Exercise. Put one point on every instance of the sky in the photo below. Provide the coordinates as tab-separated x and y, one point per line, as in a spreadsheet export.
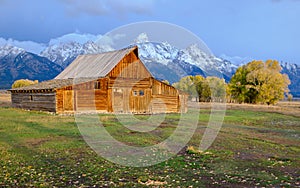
260	29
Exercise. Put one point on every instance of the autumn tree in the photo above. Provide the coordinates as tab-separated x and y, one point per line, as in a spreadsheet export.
23	82
237	86
187	85
217	88
203	89
259	82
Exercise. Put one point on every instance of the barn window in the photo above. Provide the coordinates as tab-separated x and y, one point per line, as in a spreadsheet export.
30	97
97	85
135	93
141	92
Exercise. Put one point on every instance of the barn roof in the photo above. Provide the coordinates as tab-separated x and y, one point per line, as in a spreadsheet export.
53	84
94	65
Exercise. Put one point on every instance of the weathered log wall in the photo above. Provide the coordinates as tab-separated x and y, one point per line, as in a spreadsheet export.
165	98
34	101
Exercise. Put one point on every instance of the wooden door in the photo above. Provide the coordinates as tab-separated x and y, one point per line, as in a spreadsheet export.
140	101
118	100
68	103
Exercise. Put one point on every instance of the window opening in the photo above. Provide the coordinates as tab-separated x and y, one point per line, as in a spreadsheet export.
97	85
141	92
135	93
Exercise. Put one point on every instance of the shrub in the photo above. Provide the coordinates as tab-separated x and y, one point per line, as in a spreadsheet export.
23	83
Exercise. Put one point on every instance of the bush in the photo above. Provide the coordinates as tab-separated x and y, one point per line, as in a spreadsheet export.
23	83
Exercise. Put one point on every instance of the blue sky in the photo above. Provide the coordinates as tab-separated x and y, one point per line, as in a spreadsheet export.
261	29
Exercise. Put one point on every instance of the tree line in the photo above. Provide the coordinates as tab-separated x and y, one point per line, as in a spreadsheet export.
257	82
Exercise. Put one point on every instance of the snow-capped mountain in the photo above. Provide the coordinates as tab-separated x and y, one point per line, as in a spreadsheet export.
16	63
64	53
209	63
157	52
61	50
8	50
162	59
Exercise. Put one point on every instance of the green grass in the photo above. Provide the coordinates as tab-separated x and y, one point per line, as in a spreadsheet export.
252	149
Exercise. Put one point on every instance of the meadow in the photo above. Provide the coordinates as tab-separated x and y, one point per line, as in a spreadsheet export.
253	148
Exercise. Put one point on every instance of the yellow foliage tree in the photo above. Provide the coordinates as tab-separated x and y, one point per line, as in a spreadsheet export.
259	82
203	89
23	83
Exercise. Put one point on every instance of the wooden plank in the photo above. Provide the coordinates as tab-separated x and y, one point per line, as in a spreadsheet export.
109	100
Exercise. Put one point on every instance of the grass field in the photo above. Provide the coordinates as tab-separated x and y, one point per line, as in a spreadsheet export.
256	146
252	149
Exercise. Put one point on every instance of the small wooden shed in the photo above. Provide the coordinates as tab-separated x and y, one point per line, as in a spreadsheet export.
110	82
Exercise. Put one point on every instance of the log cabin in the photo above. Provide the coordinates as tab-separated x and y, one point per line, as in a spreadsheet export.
110	82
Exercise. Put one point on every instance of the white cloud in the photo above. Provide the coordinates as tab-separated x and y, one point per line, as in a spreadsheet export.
109	40
143	37
75	37
29	46
36	48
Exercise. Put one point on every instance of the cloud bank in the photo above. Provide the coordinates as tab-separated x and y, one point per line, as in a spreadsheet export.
71	37
29	46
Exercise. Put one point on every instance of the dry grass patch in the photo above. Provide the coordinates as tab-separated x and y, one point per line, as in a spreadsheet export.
5	100
283	107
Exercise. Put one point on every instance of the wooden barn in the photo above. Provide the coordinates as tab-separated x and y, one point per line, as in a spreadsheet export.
110	82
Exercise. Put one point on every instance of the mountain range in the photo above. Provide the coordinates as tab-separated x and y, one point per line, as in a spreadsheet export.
166	62
16	63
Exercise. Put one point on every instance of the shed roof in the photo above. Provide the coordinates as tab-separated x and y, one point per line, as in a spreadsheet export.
53	84
94	65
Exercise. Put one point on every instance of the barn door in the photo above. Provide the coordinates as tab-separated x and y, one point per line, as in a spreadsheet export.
68	100
140	101
118	100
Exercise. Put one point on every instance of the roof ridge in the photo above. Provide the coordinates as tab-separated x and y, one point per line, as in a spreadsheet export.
122	49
